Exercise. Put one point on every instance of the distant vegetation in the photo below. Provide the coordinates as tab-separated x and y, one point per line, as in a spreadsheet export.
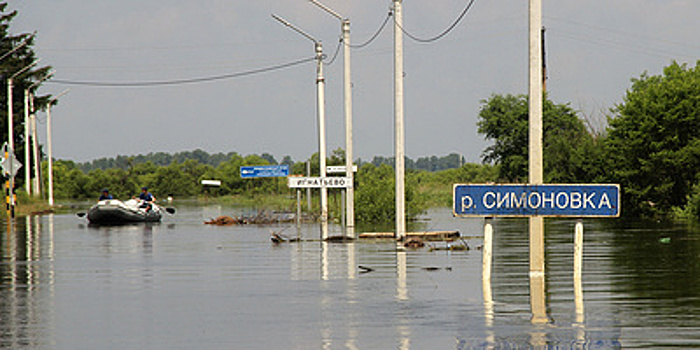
180	175
433	163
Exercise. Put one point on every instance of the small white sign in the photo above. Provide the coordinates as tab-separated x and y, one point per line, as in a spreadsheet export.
211	182
339	169
318	182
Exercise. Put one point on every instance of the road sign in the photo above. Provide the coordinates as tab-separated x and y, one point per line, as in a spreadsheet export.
564	200
339	169
318	182
211	182
8	168
248	172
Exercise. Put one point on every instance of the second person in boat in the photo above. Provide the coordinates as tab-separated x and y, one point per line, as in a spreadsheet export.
147	199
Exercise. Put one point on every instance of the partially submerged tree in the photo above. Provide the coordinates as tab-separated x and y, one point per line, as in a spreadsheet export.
653	143
566	145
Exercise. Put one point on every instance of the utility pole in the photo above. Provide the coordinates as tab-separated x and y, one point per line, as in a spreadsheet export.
50	143
399	157
11	134
544	61
347	90
537	266
321	111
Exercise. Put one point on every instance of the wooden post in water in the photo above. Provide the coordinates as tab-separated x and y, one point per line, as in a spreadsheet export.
486	252
578	267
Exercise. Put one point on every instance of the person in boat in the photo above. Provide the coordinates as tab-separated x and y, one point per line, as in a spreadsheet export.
105	195
147	199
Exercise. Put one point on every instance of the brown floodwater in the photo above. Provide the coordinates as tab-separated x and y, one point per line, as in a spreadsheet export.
181	284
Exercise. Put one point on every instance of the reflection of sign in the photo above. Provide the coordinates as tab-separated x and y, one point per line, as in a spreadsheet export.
248	172
339	169
318	182
536	200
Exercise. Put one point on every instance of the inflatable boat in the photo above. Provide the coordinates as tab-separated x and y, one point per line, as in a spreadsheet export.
116	212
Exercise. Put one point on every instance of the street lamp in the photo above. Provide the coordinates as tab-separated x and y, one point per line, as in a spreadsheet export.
10	131
321	111
347	90
48	141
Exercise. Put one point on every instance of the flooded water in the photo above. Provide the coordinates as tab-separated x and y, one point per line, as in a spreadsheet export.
181	284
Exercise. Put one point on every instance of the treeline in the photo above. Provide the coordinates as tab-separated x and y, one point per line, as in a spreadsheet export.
432	163
374	184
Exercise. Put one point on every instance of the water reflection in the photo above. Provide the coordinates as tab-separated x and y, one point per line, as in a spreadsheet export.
26	283
182	284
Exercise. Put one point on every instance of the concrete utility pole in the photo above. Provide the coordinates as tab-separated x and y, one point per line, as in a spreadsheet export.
35	143
10	131
535	142
537	271
347	90
321	111
399	157
50	144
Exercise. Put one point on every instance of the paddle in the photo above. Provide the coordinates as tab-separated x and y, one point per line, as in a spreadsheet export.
80	215
170	210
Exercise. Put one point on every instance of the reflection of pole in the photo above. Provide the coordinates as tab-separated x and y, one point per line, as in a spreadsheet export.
399	122
401	290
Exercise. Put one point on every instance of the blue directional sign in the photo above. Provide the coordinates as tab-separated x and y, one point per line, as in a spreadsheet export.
249	172
536	200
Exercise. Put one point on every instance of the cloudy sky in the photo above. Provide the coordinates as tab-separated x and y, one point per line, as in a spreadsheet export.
593	49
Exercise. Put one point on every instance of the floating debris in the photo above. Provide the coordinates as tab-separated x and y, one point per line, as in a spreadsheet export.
339	239
414	243
365	269
224	221
426	236
433	268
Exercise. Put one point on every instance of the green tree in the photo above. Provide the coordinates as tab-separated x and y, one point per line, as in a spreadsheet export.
375	200
653	143
18	53
566	142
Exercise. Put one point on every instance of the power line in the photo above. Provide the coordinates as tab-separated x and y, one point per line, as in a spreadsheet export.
446	31
376	34
182	81
335	55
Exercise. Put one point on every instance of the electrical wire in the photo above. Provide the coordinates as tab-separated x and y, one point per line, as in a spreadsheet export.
182	81
445	32
376	34
335	55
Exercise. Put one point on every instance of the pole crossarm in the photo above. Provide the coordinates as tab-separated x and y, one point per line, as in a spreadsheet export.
294	28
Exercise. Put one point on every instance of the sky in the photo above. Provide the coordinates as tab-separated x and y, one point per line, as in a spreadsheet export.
593	50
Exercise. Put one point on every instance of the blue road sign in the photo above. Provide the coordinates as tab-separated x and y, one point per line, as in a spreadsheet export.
591	200
249	172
